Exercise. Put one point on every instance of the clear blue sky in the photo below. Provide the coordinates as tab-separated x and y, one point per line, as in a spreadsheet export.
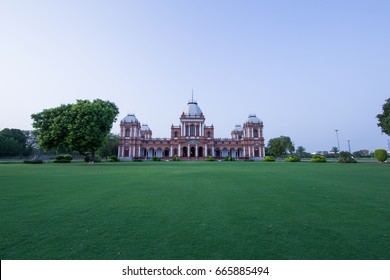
305	68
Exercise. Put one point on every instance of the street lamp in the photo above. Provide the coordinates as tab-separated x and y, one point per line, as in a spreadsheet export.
338	142
349	146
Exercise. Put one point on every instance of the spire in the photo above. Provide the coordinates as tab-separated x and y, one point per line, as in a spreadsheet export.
192	95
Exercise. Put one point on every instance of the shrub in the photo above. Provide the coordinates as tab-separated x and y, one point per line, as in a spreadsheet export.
137	159
345	157
269	158
97	158
113	159
229	158
33	161
210	158
176	158
156	159
65	158
318	158
293	159
380	155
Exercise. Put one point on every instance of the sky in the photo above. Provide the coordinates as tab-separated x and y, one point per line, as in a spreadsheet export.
305	68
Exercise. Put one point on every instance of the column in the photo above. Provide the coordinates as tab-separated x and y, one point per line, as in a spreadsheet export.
179	151
205	150
188	151
171	153
196	150
139	151
134	151
244	152
253	151
249	151
212	151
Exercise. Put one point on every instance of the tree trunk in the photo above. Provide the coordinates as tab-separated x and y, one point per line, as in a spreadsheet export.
92	158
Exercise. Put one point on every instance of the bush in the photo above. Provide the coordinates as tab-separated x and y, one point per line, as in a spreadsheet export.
380	155
293	159
318	158
65	158
229	158
345	157
97	158
210	158
33	161
269	158
137	159
156	159
113	159
176	158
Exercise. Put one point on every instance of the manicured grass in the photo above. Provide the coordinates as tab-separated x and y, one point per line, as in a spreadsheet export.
195	210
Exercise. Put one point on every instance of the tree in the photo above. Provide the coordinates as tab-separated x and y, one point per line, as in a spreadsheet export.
380	155
346	157
110	146
14	142
301	152
82	127
384	118
280	146
334	150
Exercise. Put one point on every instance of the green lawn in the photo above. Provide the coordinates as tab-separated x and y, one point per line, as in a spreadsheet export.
195	210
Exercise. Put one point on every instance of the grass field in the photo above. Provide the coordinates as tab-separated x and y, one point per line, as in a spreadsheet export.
195	210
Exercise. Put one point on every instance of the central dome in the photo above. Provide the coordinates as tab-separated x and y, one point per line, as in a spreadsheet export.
192	109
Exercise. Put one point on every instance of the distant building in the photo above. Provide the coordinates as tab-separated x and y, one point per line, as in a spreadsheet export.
192	139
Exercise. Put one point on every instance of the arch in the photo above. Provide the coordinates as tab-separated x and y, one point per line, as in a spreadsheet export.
150	153
166	152
192	152
175	134
127	152
208	134
233	152
175	152
225	152
257	154
255	133
240	152
200	151
209	152
185	152
127	132
217	152
159	152
143	152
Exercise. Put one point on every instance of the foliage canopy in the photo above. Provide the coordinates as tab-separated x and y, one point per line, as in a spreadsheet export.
384	118
82	127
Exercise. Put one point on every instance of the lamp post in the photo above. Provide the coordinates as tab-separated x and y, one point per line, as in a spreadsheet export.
349	146
338	142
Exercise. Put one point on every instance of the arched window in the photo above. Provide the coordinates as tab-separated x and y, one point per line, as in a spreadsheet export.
208	134
127	133
255	134
175	134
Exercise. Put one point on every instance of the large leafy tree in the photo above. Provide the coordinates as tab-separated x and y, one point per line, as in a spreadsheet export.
14	142
384	118
82	127
280	146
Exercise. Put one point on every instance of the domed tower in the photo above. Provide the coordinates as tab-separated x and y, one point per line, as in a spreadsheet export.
237	132
146	132
130	135
253	135
192	121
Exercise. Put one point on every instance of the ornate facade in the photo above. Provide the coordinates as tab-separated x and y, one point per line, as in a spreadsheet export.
191	140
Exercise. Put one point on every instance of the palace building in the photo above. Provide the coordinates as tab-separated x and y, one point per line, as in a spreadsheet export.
192	139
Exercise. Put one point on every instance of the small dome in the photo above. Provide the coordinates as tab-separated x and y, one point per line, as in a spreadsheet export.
145	127
192	109
130	118
253	119
238	128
